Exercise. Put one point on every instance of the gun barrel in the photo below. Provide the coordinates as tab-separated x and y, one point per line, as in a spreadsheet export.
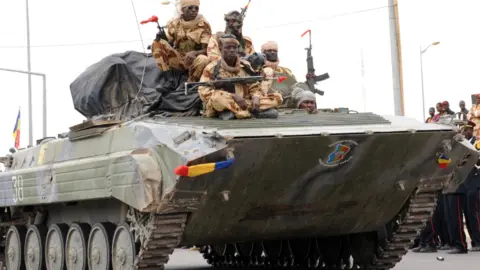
235	80
322	77
320	92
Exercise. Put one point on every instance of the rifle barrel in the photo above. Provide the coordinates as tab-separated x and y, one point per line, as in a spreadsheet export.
233	80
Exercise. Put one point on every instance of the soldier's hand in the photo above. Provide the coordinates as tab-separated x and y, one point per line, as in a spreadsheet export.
240	101
189	58
255	103
161	35
219	85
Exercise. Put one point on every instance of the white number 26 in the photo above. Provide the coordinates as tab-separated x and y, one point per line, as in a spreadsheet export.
17	182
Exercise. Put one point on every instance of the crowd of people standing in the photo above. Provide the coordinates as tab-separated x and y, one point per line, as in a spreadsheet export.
446	228
443	108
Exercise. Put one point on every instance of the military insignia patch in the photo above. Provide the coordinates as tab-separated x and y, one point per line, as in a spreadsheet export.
341	153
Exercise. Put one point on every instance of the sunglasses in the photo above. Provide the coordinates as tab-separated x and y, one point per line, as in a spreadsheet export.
192	7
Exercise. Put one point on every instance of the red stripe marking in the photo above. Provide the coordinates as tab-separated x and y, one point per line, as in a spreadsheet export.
476	210
433	230
460	225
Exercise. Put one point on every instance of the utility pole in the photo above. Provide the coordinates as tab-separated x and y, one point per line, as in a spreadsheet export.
396	52
364	90
29	69
421	74
44	78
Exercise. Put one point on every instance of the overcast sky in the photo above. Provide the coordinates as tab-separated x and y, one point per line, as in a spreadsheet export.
68	36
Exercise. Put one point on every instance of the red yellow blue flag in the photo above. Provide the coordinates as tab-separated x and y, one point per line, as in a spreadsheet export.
443	161
16	131
196	170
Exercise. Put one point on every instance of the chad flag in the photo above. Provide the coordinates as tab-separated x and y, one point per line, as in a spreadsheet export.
16	131
196	170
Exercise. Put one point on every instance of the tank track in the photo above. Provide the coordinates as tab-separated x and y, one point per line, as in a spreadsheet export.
159	237
387	252
419	209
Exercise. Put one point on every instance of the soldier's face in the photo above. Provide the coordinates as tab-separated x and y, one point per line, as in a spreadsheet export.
462	105
235	24
431	111
468	133
190	12
272	55
308	105
229	50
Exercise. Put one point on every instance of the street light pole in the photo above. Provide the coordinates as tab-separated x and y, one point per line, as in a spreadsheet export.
44	78
421	78
421	73
29	68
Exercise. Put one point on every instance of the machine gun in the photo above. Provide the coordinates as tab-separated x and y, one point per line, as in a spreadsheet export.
232	81
244	10
161	34
312	79
256	60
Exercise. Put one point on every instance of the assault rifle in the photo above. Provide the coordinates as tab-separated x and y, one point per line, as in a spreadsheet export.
232	81
161	34
312	79
244	10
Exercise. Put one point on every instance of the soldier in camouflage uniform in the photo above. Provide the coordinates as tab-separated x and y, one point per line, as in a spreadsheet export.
295	94
474	116
188	37
234	24
231	101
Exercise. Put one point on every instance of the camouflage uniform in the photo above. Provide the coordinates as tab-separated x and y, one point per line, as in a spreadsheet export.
213	49
272	71
186	37
234	22
474	116
217	100
293	92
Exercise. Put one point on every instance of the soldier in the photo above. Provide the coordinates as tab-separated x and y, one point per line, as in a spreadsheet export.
472	184
184	45
295	94
304	99
234	24
235	101
474	116
428	241
457	204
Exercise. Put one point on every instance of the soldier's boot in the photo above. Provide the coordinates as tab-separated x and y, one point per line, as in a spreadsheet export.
458	251
270	113
417	249
475	249
226	115
415	244
446	247
428	249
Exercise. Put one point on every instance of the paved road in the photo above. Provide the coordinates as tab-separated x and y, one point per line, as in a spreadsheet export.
184	259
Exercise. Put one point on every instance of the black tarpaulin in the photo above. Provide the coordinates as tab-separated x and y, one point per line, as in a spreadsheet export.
111	87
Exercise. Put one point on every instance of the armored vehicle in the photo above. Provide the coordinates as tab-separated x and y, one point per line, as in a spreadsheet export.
319	190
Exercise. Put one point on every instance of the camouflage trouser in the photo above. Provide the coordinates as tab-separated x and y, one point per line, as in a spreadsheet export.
167	57
221	100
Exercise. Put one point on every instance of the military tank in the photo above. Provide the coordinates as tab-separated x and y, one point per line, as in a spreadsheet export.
319	190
